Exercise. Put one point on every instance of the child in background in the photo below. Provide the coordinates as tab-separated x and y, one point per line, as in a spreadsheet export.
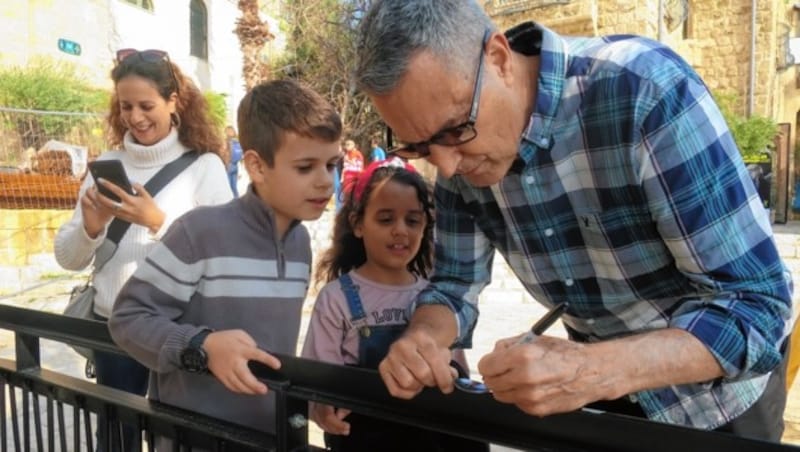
227	283
235	155
381	254
352	165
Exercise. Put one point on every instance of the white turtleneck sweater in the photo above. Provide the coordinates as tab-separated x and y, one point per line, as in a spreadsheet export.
204	182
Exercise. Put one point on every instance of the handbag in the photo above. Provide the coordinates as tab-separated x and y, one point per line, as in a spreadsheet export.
81	299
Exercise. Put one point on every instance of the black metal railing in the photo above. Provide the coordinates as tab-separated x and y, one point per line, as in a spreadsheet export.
472	416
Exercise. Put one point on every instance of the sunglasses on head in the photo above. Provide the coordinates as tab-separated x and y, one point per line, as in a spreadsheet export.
150	56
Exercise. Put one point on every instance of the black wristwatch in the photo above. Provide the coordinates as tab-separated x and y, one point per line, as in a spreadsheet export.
194	358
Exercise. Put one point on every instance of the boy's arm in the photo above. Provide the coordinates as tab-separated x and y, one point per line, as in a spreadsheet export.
142	321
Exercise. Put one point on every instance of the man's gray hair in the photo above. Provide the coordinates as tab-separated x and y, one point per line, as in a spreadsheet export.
394	31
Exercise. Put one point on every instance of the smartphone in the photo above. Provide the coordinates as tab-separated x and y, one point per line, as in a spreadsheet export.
114	172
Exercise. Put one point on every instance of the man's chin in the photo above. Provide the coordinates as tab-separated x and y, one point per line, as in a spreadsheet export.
483	179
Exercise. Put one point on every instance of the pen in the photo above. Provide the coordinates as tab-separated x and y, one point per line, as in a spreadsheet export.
544	323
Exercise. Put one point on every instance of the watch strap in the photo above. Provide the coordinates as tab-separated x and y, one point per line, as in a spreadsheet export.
196	342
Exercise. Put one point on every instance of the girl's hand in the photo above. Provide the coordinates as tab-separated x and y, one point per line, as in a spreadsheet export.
330	418
228	353
139	209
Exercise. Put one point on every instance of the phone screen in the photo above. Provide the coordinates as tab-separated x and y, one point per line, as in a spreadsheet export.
112	171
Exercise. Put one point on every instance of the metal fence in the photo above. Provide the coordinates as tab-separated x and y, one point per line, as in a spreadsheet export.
478	417
43	156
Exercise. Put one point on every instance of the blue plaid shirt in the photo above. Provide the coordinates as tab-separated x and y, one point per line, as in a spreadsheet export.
630	201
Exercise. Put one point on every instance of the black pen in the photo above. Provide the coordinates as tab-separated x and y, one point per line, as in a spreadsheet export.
544	323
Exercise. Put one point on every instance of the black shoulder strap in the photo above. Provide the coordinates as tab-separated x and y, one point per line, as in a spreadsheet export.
118	227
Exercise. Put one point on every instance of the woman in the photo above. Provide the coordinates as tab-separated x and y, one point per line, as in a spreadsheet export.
156	116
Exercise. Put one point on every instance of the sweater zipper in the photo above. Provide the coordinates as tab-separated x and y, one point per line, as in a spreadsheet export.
281	262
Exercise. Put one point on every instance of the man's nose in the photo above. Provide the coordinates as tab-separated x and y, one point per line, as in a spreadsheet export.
445	159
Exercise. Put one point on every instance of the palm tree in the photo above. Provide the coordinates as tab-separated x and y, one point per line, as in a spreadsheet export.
253	33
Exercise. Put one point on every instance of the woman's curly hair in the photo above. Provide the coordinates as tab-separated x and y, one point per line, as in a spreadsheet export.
196	131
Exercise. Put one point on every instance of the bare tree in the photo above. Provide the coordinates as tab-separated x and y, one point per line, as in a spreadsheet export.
321	52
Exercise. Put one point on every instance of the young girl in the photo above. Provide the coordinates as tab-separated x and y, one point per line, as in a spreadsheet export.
381	254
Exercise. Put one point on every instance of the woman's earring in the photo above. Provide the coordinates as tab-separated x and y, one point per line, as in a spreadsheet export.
175	119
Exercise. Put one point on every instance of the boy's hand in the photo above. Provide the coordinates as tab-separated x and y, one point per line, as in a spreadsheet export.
330	418
228	353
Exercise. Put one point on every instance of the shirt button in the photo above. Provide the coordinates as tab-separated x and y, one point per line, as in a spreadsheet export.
569	282
548	232
590	321
530	179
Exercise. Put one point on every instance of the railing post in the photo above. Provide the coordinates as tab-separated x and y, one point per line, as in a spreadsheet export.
28	352
292	422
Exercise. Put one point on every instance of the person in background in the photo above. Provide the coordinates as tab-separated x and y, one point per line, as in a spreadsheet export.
156	115
209	298
235	156
377	153
604	173
352	165
381	255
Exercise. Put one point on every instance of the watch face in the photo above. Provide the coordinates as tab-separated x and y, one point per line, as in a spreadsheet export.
194	360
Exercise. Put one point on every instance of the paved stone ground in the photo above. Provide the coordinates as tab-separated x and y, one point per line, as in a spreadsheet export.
505	310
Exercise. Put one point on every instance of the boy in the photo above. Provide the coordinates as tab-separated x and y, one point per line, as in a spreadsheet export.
227	283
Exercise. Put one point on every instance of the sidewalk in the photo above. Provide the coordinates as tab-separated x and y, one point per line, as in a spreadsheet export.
506	309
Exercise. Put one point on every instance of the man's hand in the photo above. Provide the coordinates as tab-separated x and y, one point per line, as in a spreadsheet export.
542	377
414	361
329	418
550	375
228	353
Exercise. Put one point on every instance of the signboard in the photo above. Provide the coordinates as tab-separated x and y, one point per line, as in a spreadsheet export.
70	47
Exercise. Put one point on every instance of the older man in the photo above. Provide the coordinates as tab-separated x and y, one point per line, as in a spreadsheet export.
604	173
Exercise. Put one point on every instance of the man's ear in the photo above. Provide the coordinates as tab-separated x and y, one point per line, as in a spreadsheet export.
498	55
255	165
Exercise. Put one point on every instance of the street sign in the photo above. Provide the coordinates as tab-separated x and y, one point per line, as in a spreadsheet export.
70	47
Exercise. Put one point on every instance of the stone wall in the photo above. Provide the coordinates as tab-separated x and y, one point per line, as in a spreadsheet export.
717	45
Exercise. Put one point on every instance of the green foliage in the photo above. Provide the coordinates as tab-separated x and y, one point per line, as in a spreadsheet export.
753	135
217	108
51	85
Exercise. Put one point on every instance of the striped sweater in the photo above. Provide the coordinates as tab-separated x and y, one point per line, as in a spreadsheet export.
220	267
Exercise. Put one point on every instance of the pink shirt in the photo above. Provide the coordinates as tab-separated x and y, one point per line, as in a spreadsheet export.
331	336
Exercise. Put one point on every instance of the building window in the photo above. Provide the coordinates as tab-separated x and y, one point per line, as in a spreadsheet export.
198	25
144	4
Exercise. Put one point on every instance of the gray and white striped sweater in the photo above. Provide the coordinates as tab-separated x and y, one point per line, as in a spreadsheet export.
220	267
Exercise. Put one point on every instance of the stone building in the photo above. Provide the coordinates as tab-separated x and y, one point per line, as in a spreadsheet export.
747	48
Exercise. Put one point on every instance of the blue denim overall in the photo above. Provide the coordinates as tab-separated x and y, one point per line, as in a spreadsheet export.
370	434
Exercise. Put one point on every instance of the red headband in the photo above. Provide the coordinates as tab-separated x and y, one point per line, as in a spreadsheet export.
366	175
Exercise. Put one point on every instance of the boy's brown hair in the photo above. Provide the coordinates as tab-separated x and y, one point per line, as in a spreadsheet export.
273	108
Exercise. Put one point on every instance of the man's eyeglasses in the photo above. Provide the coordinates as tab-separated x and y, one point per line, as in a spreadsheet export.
450	136
150	56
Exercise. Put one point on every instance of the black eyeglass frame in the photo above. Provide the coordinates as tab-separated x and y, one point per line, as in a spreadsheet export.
151	56
449	136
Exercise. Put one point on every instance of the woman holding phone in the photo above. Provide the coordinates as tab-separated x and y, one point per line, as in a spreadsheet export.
156	115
